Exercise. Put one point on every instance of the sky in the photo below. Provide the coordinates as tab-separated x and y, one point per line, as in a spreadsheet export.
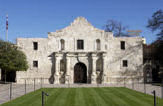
35	18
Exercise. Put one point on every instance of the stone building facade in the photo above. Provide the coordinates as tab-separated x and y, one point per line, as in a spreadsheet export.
81	53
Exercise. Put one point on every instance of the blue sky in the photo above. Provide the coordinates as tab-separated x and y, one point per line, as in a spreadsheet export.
34	18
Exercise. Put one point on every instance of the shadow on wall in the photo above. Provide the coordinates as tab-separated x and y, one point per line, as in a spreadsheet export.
62	78
99	68
62	70
137	70
53	60
89	68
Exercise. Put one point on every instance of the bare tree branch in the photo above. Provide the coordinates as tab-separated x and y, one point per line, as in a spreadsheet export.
116	27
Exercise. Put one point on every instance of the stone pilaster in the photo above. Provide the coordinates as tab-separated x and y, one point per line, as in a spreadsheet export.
93	76
58	59
67	77
104	76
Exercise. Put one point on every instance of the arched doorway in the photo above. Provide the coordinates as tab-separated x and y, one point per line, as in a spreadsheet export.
80	73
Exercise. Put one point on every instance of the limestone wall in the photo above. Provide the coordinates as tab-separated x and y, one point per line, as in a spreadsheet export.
133	53
81	29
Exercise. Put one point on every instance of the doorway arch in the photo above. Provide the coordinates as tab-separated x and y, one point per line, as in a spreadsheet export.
80	73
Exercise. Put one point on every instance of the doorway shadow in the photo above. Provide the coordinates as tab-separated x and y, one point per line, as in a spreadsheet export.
80	73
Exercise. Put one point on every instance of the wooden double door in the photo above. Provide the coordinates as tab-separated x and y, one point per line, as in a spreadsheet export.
80	73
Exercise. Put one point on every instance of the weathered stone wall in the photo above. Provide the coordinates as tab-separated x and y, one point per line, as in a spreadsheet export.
81	29
133	54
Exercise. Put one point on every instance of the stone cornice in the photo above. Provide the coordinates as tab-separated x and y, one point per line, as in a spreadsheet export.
80	54
76	52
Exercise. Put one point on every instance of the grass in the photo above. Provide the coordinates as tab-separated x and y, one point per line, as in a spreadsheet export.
112	96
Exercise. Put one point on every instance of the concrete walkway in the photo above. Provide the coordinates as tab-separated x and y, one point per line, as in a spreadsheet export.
19	89
148	89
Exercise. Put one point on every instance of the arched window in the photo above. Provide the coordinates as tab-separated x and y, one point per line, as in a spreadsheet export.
98	44
62	44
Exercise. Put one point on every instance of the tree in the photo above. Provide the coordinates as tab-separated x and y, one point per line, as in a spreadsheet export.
116	27
12	59
156	23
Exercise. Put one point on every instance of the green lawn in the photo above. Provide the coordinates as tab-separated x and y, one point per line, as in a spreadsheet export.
112	96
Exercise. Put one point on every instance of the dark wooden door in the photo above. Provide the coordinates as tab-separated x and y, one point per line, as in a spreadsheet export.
80	73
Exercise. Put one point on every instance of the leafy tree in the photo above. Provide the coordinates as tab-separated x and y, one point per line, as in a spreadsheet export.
156	23
12	59
116	27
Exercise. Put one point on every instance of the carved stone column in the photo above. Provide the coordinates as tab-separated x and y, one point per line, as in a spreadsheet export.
104	76
93	76
58	59
67	80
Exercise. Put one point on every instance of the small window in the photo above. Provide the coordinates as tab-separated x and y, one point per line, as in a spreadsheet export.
98	44
125	63
122	45
35	64
80	44
35	45
62	44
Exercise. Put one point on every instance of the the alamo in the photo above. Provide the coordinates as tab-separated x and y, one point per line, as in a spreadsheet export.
81	53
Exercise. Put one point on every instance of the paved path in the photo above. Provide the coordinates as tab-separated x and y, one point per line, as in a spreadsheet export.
19	89
148	89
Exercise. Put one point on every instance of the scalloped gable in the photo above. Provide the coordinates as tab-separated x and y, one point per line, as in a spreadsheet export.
79	26
80	21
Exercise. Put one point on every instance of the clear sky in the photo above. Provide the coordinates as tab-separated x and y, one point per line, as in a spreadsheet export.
34	18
